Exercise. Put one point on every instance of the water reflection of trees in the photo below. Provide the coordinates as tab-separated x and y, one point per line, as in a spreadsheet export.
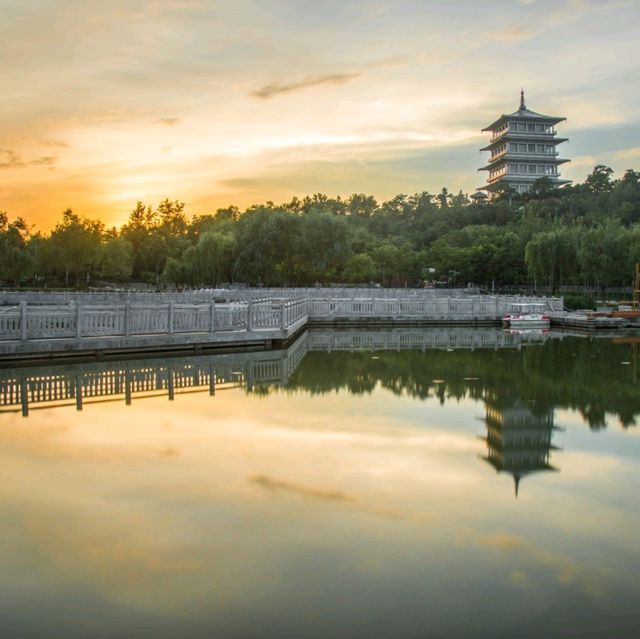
586	375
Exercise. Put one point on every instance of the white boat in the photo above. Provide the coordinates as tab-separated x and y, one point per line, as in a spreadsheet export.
525	316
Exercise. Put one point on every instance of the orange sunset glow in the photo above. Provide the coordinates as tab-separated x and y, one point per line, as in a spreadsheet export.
219	103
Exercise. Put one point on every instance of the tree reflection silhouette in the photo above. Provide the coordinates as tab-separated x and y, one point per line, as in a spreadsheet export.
580	374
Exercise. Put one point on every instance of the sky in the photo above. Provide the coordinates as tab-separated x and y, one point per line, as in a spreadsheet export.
220	103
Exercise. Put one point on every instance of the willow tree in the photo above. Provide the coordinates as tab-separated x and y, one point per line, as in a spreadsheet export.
552	256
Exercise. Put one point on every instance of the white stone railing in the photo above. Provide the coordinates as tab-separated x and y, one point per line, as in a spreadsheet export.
437	308
226	295
25	322
77	320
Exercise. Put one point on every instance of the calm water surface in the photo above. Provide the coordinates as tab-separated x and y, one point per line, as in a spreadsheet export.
357	485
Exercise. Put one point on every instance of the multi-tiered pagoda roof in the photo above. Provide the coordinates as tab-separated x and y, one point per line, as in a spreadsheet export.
523	149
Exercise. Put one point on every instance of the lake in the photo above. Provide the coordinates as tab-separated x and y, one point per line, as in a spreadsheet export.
402	483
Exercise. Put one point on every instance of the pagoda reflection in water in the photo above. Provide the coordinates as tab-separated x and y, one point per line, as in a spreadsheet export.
519	438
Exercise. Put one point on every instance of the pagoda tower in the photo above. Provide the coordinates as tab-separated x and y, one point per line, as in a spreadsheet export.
518	439
523	149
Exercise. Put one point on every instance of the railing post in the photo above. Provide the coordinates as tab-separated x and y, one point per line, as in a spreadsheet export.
78	320
282	315
212	317
249	315
77	381
170	317
212	381
24	396
170	383
127	386
23	321
127	318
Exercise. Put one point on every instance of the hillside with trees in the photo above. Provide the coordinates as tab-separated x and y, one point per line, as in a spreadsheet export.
585	235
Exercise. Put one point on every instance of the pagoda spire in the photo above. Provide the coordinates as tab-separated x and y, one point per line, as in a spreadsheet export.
523	106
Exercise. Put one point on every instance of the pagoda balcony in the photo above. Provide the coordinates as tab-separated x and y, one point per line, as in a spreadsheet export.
524	177
524	155
524	134
494	166
538	158
521	137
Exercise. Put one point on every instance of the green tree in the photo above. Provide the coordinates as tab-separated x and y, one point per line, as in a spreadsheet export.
115	259
360	269
16	263
599	180
75	243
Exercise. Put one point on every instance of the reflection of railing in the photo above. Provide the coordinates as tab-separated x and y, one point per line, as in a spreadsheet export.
22	388
416	339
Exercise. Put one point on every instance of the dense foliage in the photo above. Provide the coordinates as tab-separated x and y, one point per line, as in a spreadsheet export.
583	235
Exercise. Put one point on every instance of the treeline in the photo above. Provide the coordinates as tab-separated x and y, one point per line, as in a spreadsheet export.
587	234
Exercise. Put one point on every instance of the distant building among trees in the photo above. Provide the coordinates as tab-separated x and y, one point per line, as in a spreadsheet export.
524	155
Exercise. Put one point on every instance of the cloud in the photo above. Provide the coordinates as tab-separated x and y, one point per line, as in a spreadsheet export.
594	583
54	143
584	161
570	12
241	183
276	485
275	88
46	160
503	541
168	121
58	144
513	33
10	160
632	153
516	32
